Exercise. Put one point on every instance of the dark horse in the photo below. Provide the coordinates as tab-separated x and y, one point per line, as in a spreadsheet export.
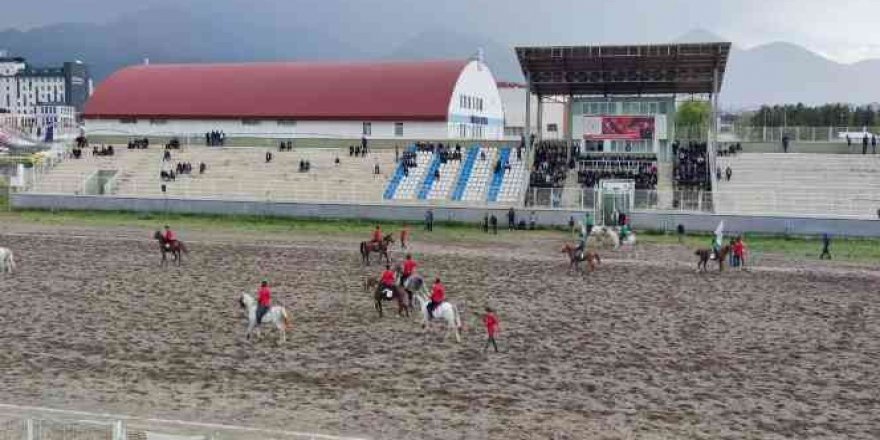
592	258
368	247
381	294
176	249
704	257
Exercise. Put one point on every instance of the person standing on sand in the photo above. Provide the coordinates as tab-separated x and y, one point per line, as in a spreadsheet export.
404	236
826	246
491	322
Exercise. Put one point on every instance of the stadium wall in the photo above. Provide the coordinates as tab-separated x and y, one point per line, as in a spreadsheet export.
650	220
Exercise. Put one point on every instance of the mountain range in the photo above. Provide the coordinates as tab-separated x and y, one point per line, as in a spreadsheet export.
767	74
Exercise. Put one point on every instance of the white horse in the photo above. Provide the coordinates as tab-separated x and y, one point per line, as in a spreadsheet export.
276	315
446	312
602	237
7	262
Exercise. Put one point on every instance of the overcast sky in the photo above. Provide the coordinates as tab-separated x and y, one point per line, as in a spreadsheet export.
842	30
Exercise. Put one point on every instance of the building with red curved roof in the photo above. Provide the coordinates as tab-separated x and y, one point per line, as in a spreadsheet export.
455	99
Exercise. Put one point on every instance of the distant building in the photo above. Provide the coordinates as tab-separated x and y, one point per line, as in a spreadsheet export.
24	89
420	100
513	97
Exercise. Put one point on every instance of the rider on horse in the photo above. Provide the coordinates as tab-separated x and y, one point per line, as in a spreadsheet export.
409	268
582	244
170	237
377	236
438	295
264	300
387	279
624	232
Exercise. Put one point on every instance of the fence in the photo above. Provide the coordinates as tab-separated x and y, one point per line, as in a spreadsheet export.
33	423
586	199
746	133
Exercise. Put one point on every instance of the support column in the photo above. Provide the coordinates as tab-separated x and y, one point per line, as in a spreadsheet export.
527	130
539	117
713	136
567	124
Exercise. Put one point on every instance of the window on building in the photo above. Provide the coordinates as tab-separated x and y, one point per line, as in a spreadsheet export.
367	129
158	121
128	121
287	122
462	131
552	128
250	122
398	128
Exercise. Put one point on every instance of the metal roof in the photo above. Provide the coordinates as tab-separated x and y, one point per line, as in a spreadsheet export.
624	70
398	91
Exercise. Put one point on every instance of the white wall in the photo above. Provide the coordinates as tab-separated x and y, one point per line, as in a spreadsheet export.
514	101
267	128
476	81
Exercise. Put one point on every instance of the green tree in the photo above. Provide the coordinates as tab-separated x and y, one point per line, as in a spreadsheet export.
693	114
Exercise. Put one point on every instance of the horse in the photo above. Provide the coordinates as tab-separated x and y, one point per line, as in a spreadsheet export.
177	249
446	312
592	258
7	261
397	293
602	237
704	257
276	315
368	247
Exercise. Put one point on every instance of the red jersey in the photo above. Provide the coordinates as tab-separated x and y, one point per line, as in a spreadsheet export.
377	235
739	249
388	278
438	293
264	296
491	322
170	236
409	266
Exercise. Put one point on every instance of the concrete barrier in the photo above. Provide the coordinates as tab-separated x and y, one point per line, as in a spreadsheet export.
644	220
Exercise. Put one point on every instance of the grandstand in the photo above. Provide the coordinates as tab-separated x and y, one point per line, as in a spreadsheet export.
231	172
799	184
475	185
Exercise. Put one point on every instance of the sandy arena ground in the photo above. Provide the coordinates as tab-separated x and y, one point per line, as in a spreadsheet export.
643	348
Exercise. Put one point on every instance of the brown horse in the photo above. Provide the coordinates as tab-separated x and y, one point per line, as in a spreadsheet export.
592	258
381	248
399	294
177	249
705	254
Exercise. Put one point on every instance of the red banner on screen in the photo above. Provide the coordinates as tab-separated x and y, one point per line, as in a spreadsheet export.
624	127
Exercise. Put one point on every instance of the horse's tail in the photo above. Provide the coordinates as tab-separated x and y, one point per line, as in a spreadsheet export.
11	261
183	247
286	317
363	248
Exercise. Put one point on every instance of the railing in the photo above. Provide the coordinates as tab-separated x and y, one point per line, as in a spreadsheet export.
586	199
746	133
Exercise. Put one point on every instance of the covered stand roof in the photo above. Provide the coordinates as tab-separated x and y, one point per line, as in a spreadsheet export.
623	70
298	90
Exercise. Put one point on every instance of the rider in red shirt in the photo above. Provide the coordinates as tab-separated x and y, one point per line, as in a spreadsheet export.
377	235
438	295
387	279
739	250
491	322
264	300
170	237
409	268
